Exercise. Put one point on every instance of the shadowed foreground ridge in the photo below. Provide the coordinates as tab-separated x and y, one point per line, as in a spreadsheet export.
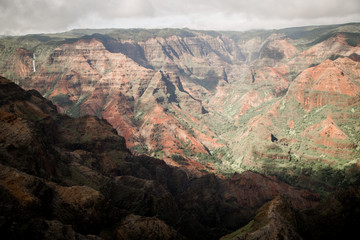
67	178
336	217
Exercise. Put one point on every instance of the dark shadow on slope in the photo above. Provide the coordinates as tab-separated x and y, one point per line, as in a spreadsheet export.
130	49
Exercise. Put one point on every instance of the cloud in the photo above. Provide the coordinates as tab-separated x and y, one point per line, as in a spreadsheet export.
34	16
28	16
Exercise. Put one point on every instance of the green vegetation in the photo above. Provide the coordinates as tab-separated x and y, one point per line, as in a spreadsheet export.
141	149
301	162
315	172
260	220
62	100
142	35
334	57
157	152
156	133
240	232
80	179
271	53
306	37
313	65
75	110
353	39
206	158
179	159
210	80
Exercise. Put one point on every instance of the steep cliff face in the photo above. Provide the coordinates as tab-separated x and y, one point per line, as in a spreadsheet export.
150	108
63	177
209	101
329	83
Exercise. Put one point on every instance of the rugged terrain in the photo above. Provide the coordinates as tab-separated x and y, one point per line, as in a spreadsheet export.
74	178
279	102
336	217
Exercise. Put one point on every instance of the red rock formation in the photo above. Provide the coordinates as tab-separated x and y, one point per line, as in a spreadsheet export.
325	84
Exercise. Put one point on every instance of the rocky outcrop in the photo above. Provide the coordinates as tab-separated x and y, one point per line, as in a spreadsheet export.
275	220
329	220
136	227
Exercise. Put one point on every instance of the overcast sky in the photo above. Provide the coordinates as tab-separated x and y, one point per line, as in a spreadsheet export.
42	16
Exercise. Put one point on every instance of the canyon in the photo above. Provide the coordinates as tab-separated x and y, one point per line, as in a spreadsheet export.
210	101
74	178
180	134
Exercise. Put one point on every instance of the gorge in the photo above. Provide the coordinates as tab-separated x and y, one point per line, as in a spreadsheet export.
237	118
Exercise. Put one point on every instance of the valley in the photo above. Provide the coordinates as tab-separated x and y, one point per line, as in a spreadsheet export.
180	134
210	101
